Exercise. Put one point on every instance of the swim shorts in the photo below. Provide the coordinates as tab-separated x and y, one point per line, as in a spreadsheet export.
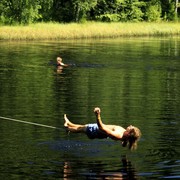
93	131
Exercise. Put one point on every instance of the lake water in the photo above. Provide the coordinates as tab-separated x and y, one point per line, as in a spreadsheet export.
133	81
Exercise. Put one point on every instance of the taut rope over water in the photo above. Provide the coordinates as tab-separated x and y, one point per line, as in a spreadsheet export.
32	123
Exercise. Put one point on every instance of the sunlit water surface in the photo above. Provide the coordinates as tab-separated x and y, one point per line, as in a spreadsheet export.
133	81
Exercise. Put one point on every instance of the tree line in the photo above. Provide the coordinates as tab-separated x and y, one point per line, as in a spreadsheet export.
32	11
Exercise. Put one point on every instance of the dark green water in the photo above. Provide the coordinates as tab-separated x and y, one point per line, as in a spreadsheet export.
133	81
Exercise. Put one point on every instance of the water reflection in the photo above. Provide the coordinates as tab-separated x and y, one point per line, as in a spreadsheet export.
99	170
59	69
135	81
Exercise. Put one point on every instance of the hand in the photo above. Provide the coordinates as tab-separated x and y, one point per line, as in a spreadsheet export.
97	110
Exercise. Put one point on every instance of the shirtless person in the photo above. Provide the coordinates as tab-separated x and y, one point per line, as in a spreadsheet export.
60	63
128	136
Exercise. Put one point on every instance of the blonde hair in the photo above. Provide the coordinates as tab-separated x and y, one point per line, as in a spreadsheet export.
134	135
59	58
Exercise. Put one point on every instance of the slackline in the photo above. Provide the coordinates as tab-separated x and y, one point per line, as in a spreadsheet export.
27	122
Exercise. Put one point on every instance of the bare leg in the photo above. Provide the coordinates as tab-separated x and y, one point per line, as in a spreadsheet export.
76	128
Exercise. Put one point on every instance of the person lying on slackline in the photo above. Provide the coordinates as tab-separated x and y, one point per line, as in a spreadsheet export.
128	136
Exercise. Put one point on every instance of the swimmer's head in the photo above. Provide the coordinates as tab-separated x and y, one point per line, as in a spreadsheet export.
59	59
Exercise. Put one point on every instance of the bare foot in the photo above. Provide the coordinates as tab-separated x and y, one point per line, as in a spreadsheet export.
66	121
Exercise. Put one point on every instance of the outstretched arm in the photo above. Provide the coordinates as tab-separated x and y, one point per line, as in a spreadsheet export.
97	112
110	130
64	65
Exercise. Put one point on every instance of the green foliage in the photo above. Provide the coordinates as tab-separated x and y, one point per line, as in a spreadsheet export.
30	14
153	13
168	10
119	10
22	12
72	10
30	11
109	17
45	10
171	14
133	11
81	8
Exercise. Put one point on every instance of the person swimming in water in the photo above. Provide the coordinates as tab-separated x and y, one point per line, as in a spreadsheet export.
128	136
60	63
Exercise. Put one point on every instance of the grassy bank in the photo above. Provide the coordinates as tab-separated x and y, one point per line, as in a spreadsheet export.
55	31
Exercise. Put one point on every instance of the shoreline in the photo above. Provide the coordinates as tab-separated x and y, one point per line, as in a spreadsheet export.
88	30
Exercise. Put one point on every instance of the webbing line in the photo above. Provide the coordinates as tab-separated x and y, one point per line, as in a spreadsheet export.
27	122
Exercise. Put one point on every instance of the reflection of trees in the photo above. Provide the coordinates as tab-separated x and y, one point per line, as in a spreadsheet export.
97	170
168	136
139	80
25	88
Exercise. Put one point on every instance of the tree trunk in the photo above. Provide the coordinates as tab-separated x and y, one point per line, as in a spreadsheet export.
176	7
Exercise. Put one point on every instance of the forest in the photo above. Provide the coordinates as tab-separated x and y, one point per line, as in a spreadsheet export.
64	11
